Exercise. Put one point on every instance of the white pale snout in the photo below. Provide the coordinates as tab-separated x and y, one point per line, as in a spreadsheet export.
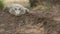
17	9
17	12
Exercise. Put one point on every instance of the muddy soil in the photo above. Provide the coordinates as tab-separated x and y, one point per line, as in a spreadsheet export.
35	22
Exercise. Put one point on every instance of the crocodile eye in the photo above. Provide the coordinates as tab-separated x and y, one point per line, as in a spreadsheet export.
15	8
19	8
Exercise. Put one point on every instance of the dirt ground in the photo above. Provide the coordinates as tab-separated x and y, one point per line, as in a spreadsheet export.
35	22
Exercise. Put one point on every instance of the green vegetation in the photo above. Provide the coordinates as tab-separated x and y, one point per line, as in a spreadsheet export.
49	6
1	4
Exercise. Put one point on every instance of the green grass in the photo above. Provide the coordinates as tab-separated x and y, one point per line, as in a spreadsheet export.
49	6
